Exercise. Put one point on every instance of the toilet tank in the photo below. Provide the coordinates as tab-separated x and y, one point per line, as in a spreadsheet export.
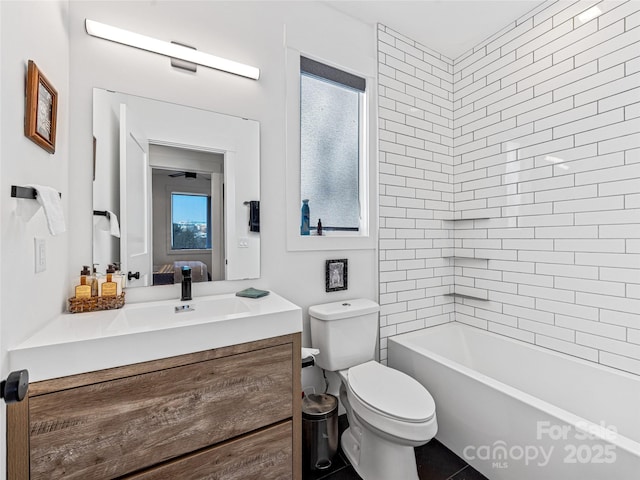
344	332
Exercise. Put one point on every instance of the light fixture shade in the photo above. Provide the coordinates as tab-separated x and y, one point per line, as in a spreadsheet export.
168	49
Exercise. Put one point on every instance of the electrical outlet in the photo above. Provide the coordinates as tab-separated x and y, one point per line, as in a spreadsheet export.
40	246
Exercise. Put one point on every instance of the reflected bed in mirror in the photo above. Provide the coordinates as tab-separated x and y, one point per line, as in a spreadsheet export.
177	182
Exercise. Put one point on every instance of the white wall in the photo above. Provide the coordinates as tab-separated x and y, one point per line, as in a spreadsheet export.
36	31
546	122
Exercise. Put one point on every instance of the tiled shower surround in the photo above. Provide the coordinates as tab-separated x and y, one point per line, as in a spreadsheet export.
416	185
512	174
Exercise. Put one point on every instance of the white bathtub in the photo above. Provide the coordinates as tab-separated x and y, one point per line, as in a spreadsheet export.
515	411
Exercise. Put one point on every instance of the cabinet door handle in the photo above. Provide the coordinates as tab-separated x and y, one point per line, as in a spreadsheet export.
133	275
15	387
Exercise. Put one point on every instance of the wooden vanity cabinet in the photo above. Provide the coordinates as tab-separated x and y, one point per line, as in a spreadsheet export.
229	413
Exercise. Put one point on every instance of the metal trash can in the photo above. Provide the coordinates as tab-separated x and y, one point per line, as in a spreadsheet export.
319	430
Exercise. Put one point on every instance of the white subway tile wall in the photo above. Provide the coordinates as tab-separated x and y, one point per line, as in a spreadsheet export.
525	200
416	186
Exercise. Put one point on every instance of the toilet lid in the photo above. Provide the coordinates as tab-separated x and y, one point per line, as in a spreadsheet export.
391	392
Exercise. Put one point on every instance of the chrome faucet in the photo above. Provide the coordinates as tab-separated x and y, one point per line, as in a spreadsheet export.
186	284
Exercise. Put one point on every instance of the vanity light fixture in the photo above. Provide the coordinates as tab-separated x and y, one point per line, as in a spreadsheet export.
173	50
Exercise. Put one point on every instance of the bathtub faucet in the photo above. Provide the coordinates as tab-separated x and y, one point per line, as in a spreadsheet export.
186	284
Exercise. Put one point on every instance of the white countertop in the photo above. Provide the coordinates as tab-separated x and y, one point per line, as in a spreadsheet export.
85	342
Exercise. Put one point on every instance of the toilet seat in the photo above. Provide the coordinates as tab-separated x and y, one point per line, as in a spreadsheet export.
391	393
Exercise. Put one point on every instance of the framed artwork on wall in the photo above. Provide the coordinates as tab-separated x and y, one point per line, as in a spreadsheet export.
41	109
336	275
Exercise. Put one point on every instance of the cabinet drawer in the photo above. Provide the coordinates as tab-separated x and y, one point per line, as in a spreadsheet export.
112	428
265	455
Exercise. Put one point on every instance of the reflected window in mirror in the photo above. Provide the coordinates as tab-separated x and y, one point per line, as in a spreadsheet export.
190	221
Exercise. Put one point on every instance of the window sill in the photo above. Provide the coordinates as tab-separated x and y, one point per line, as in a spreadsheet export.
186	251
331	241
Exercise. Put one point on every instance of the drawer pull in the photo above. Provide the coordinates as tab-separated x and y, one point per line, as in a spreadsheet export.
15	387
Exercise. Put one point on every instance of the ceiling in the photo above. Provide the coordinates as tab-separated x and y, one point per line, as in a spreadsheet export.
450	27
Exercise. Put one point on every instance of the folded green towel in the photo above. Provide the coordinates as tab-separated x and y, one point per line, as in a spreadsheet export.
252	293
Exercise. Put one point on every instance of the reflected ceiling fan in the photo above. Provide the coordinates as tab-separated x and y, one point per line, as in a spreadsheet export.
184	174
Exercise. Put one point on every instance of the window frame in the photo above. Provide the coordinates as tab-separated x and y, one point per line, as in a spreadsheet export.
168	214
347	81
366	237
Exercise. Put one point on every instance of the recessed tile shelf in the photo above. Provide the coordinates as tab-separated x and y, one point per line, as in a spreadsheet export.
466	258
461	295
461	219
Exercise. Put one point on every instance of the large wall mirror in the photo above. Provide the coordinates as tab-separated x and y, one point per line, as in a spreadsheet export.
174	186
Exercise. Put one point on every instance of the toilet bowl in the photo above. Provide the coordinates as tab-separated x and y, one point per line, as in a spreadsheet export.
389	412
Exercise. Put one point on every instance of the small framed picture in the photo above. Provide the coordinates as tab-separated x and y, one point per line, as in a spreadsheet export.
336	275
41	109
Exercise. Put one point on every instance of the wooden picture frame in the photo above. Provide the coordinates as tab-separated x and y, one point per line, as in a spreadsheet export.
336	275
41	109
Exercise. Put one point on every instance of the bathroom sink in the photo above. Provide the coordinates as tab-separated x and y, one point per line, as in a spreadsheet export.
168	314
140	332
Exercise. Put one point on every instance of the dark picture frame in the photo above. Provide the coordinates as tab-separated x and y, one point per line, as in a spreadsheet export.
41	109
336	275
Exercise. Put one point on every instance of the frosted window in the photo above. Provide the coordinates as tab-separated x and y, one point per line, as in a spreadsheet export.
330	152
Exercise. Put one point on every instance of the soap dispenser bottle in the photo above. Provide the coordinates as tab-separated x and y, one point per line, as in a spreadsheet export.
123	278
117	278
304	220
83	289
108	288
93	280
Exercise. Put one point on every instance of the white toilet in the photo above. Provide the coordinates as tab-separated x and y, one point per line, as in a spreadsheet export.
389	412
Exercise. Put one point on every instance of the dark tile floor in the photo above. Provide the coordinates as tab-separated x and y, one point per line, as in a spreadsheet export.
434	460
